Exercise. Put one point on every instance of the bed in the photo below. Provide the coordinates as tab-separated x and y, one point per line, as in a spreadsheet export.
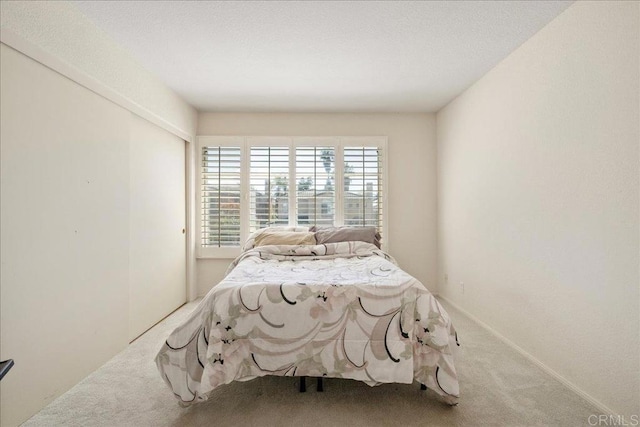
336	309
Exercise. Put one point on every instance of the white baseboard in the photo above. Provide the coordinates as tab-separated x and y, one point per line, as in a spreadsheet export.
599	405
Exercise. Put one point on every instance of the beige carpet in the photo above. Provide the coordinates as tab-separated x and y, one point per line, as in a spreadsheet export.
498	386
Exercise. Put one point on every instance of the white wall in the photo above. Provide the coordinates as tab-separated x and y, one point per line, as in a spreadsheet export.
61	30
66	210
66	196
65	232
412	176
538	190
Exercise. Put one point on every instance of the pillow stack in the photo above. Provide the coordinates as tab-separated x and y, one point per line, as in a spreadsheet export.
311	236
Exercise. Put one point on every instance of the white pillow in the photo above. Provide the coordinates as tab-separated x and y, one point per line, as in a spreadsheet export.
251	241
280	237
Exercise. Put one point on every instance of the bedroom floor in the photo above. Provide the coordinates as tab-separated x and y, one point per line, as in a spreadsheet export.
498	387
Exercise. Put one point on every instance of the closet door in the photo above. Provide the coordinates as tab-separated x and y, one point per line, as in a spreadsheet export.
157	252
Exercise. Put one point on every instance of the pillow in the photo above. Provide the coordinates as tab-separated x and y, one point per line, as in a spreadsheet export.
347	234
250	243
278	237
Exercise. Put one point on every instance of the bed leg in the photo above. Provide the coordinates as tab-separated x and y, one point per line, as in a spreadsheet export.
303	384
319	386
423	387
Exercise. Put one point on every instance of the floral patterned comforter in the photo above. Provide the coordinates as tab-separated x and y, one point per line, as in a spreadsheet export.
340	310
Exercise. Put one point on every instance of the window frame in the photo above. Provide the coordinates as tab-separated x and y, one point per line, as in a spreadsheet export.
246	142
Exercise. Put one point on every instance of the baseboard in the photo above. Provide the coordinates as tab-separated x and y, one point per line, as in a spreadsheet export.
599	405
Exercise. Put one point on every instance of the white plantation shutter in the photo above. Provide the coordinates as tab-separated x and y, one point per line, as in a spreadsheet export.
220	196
362	200
315	185
269	187
248	183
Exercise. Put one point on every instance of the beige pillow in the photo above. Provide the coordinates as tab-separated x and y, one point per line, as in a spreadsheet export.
251	241
276	237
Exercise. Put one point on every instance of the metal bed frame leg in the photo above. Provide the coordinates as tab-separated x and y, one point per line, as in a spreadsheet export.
303	384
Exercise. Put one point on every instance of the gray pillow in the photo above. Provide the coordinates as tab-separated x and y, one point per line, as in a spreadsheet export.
346	234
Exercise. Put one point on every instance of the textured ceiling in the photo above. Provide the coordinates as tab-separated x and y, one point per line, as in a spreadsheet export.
313	56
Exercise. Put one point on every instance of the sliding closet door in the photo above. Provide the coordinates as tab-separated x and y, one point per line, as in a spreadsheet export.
157	200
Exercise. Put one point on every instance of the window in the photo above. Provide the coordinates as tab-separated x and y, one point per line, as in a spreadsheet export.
220	197
362	186
251	183
269	175
315	178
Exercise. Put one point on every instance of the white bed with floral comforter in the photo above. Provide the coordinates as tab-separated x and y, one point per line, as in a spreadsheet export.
339	310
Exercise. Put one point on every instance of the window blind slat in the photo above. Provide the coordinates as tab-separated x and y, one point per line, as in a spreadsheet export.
363	187
269	187
220	175
312	178
315	185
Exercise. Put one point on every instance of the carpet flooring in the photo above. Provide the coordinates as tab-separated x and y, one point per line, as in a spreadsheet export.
498	387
